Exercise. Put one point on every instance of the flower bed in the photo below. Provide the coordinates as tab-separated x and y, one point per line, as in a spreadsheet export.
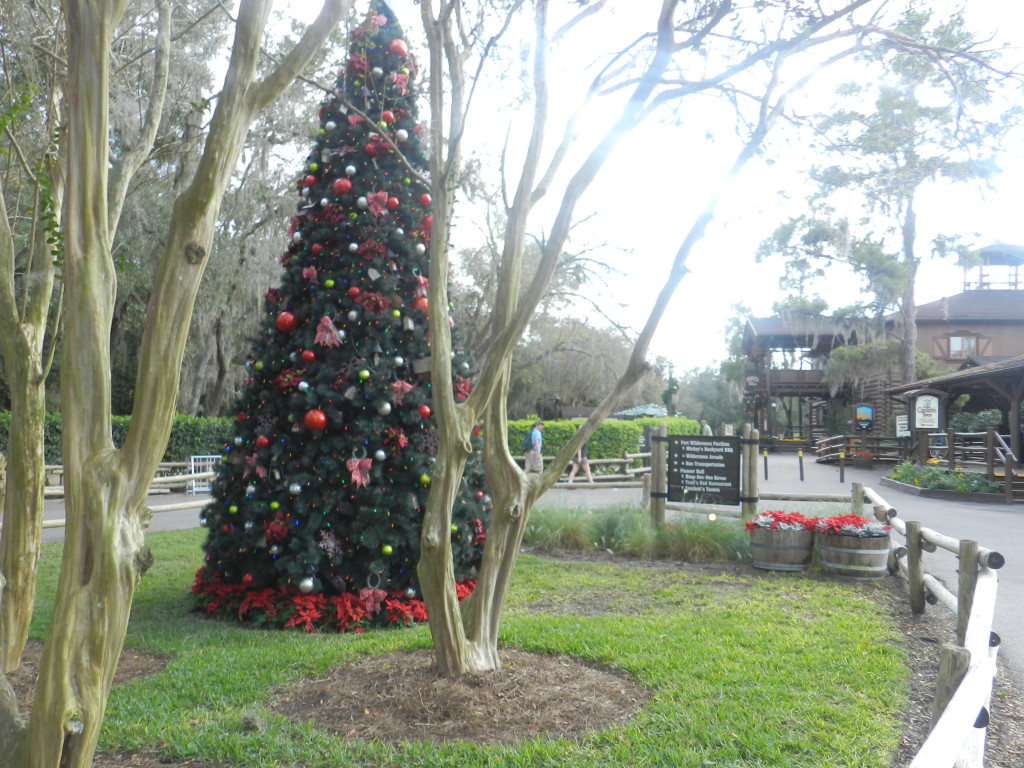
930	480
288	608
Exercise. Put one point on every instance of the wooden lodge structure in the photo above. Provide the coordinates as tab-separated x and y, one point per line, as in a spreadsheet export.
786	395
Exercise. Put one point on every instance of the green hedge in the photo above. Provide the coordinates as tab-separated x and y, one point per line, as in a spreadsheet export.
199	436
189	436
610	440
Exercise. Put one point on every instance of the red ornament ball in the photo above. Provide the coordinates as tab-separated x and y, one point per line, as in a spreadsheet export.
286	322
353	292
425	200
262	441
387	116
392	203
398	47
341	186
420	303
315	419
424	411
317	249
240	418
309	181
247	580
308	355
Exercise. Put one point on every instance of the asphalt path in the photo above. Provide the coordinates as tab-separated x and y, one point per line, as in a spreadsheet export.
995	526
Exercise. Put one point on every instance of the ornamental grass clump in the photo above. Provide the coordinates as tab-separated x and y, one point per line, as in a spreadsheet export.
851	525
778	520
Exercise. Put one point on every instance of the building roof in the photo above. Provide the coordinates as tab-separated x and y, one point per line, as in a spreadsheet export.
1010	369
819	334
991	305
1002	255
640	411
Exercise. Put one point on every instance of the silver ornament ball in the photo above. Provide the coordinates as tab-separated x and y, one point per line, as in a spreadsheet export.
384	409
379	455
295	488
306	585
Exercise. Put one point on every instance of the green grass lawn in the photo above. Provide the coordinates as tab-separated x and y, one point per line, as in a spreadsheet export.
745	669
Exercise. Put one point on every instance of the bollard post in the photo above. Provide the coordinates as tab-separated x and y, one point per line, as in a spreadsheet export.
800	461
765	454
842	467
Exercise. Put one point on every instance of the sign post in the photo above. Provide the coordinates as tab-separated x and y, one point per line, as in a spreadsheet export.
704	469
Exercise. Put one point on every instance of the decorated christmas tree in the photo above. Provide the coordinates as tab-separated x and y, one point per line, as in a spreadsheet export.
317	504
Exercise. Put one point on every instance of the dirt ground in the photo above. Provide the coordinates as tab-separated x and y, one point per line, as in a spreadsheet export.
536	696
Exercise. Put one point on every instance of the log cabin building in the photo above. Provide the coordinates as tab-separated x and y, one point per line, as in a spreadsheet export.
787	398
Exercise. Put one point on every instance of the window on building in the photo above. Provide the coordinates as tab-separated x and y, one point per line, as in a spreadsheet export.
962	346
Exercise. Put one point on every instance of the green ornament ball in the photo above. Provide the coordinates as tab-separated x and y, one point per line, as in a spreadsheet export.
424	479
233	509
258	365
275	505
396	313
386	549
455	528
314	166
328	283
364	375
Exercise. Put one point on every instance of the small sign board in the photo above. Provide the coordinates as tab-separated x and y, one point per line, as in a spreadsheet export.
704	469
902	425
926	412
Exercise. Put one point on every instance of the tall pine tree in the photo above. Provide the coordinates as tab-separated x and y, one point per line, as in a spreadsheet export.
321	494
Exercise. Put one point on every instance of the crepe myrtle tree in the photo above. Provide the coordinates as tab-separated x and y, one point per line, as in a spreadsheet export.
105	487
756	72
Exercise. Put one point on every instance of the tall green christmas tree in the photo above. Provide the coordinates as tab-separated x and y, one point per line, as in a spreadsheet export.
317	504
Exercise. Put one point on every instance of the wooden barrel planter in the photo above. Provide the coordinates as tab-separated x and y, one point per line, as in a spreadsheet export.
775	550
854	557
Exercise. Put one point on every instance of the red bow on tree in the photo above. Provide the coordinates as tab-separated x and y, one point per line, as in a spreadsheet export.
399	389
327	334
360	469
378	202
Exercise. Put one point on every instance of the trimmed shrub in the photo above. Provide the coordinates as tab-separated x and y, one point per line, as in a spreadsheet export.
610	440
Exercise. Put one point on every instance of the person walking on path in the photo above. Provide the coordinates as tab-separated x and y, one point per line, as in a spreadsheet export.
534	462
705	428
578	461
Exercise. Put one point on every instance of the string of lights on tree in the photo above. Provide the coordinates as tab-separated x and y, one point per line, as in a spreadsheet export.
323	488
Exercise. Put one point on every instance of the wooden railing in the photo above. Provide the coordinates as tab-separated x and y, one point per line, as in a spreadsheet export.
845	447
619	470
967	668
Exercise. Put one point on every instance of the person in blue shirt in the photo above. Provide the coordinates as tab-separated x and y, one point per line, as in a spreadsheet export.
534	462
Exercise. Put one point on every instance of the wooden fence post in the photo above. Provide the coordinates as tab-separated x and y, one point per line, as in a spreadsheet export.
950	449
659	475
748	472
857	498
953	663
965	592
915	567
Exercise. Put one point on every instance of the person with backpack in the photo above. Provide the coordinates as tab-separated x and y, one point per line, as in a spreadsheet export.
532	444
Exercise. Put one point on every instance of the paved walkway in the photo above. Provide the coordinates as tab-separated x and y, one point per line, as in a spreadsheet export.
995	526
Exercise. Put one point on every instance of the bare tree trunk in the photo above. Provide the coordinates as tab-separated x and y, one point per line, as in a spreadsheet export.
908	305
104	553
27	362
23	502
